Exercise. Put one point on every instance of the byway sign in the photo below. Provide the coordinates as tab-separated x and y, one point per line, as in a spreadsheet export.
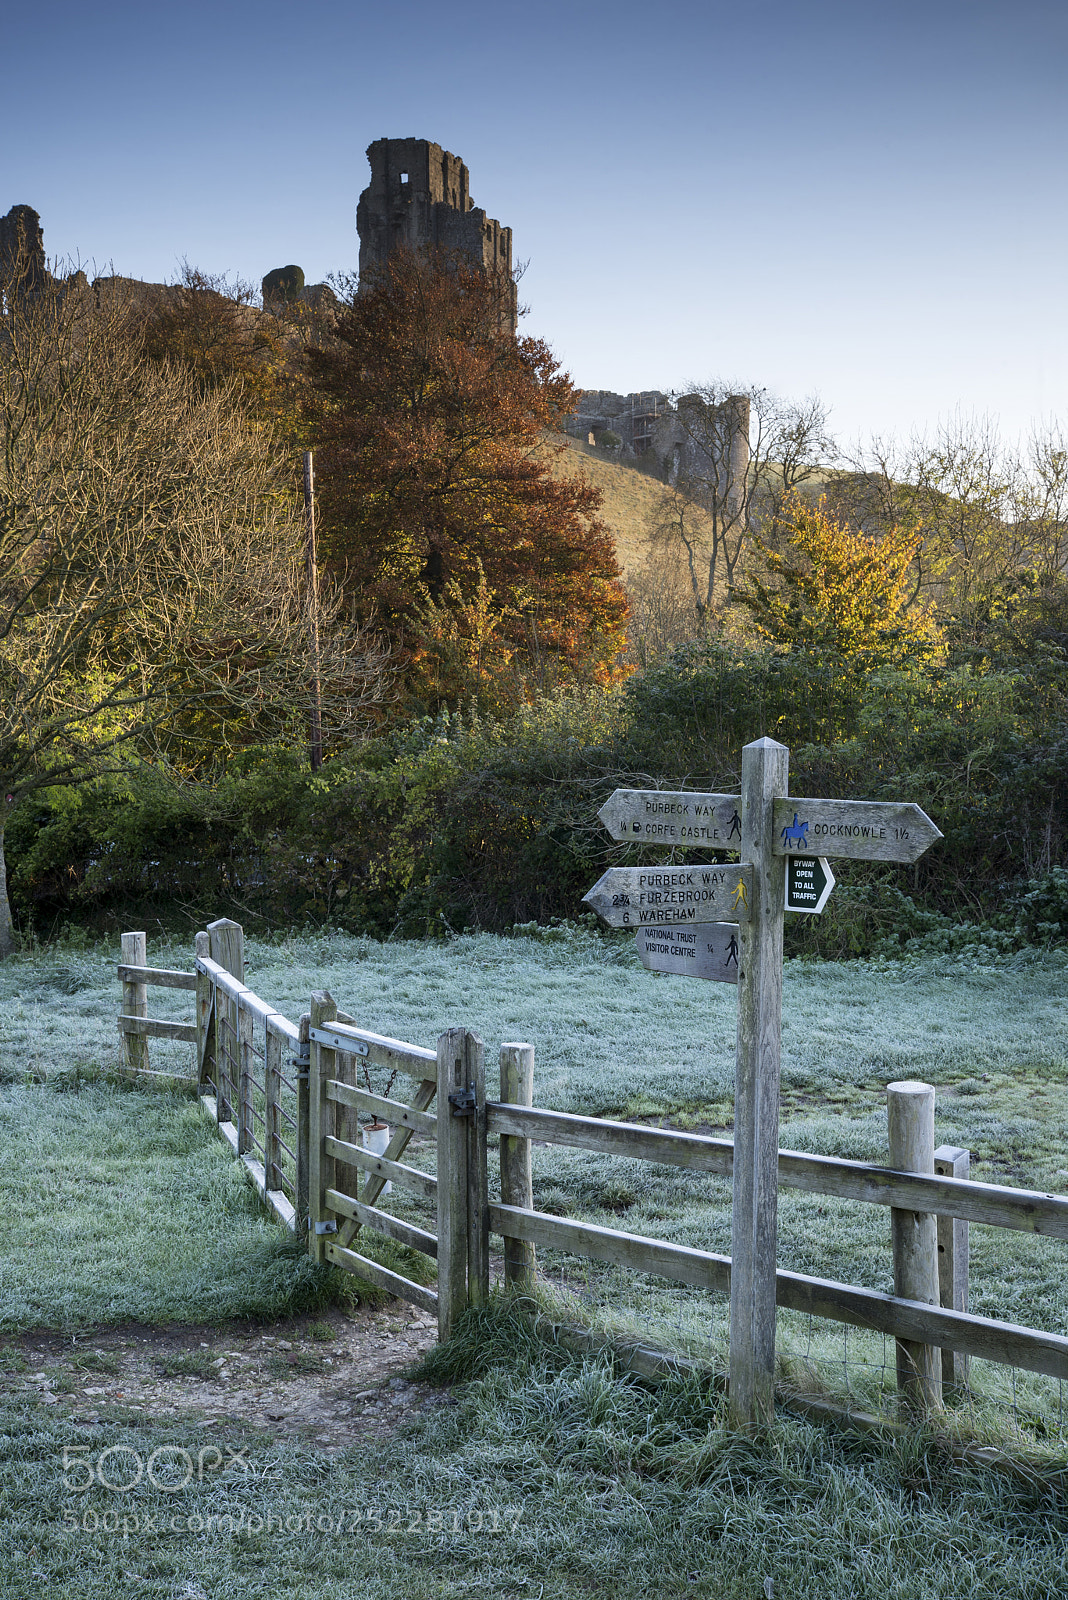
809	881
633	897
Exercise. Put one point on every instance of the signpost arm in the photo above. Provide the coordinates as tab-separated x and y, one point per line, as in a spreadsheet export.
765	775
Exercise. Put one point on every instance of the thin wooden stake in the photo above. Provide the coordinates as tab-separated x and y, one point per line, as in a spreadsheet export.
226	945
315	718
272	1087
245	1124
134	1003
914	1234
952	1162
517	1184
765	777
206	1072
303	1076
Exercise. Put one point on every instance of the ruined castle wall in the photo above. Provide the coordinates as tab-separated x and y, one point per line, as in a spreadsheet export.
711	446
419	197
631	416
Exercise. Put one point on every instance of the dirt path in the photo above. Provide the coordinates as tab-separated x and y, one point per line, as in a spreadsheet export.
329	1380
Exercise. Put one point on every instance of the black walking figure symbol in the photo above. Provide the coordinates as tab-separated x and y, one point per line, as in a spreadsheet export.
735	827
732	951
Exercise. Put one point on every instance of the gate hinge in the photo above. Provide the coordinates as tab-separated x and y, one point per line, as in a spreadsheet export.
301	1059
463	1103
326	1227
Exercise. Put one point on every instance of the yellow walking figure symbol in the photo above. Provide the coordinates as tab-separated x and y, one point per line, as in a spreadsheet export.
741	899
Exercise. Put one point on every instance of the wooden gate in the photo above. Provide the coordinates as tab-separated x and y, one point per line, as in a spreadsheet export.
339	1205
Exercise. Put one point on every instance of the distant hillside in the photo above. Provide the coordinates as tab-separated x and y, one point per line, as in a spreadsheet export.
632	498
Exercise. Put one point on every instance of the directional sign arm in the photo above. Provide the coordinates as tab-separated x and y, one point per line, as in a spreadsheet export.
674	817
863	830
710	950
670	896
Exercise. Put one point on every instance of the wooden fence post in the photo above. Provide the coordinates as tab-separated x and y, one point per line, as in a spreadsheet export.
910	1117
303	1081
226	946
452	1179
204	1020
952	1162
321	1123
517	1183
272	1094
134	948
245	1124
754	1215
477	1176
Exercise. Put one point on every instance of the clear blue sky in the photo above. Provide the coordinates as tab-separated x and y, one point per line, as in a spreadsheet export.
863	200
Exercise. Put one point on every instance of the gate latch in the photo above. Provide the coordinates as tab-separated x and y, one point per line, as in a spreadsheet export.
463	1103
326	1227
301	1059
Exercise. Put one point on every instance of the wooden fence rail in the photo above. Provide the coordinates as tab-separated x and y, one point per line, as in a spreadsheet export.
911	1320
287	1099
1029	1211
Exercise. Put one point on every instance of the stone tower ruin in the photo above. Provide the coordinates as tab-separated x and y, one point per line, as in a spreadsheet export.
419	197
22	255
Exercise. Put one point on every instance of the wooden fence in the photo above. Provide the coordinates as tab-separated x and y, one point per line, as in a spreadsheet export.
286	1098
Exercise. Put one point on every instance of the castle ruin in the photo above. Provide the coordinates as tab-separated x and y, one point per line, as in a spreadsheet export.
681	439
419	198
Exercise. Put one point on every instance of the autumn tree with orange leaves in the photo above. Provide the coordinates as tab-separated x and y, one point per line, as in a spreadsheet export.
848	598
438	505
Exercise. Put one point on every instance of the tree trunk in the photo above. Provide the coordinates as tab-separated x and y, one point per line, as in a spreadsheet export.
7	928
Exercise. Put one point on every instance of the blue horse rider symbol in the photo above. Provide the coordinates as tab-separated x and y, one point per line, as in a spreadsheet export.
797	834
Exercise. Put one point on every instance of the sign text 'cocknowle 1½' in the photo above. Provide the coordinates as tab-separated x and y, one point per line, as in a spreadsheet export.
864	830
635	897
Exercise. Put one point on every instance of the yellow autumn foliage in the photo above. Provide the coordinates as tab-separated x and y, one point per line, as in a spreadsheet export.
843	595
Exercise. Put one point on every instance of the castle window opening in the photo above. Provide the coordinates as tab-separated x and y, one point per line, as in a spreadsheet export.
404	177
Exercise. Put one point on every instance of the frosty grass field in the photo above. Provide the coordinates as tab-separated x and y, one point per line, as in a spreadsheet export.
156	1223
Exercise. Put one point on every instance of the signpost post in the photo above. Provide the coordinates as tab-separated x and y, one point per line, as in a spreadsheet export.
669	908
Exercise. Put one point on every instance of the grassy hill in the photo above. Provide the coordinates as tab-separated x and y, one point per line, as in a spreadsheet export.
632	498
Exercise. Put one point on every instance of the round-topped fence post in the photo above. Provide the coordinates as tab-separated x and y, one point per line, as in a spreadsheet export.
914	1235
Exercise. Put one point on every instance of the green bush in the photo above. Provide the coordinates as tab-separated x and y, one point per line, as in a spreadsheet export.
455	822
1042	917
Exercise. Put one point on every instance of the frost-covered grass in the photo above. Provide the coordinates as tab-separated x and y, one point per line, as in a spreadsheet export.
612	1039
551	1477
120	1203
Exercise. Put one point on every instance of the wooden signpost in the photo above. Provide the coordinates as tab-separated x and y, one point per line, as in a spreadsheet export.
772	833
